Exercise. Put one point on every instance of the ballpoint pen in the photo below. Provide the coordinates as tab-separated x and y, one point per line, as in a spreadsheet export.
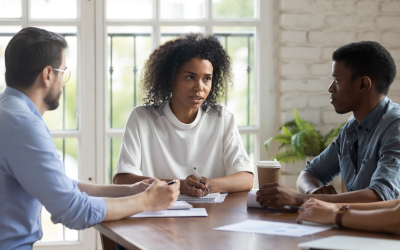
201	179
293	208
171	182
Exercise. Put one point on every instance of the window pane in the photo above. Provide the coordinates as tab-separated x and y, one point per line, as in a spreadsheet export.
114	145
6	33
67	148
128	48
65	116
248	142
54	9
182	9
10	9
172	32
239	43
129	9
233	8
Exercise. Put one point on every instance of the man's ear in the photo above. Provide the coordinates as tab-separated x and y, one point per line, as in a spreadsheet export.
366	84
46	75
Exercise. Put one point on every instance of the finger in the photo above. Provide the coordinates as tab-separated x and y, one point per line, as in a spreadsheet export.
193	177
196	184
267	191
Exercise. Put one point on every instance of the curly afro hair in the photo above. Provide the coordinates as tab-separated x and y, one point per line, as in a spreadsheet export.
368	58
163	64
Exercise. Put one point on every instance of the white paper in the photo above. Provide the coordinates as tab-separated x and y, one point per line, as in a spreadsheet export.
194	212
179	205
251	199
274	228
210	198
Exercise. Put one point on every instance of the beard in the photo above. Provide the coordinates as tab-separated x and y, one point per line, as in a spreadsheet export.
52	100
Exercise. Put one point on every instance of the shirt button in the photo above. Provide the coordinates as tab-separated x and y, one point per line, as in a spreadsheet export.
359	127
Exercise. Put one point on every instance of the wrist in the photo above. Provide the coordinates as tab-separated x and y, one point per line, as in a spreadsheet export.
143	201
339	215
301	199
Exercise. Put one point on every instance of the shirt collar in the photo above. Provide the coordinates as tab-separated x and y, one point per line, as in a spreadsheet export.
24	98
372	118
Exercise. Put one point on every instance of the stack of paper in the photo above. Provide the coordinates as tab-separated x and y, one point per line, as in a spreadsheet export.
210	198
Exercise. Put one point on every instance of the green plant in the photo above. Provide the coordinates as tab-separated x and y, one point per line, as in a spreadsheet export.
302	139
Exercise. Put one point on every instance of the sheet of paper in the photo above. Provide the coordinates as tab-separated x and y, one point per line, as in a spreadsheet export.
251	199
179	205
210	198
194	212
274	228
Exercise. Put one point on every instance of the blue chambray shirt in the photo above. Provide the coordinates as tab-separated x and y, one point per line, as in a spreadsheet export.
378	156
32	175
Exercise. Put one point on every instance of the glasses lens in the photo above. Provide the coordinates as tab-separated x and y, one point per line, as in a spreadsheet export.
66	75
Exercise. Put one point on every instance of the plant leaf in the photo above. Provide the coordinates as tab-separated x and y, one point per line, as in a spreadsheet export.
302	124
288	156
286	131
283	139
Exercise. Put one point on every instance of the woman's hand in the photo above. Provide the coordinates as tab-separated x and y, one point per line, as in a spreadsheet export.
160	196
318	211
193	187
141	186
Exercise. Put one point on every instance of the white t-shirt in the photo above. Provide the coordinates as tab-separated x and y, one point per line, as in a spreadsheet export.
165	148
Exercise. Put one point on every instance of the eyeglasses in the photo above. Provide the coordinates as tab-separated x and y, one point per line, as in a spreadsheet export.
66	74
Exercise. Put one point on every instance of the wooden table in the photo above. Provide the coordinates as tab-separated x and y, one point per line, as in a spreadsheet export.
198	233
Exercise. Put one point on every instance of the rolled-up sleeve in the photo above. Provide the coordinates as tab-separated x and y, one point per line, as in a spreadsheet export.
33	160
326	166
386	179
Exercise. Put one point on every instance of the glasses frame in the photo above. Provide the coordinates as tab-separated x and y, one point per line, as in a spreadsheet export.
65	77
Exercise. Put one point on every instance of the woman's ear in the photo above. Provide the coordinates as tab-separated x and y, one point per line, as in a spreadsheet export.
366	84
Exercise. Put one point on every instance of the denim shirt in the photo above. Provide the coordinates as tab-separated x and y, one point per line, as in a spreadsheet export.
32	176
375	164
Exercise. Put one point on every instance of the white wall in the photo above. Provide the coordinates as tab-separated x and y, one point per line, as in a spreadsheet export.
310	30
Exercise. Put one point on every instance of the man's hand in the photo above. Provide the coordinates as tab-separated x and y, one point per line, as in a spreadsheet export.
193	187
318	211
323	190
160	196
276	195
141	186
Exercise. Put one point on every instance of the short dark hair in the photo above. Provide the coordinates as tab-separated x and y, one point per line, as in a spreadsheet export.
29	52
368	58
163	64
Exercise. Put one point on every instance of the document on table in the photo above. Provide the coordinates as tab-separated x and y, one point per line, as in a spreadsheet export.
274	228
209	198
194	212
251	199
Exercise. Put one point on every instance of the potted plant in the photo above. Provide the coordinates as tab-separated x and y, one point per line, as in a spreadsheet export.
301	140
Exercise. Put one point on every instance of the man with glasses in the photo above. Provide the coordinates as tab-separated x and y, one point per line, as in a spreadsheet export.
31	172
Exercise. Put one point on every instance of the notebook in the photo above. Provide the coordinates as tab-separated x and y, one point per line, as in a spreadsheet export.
350	243
210	198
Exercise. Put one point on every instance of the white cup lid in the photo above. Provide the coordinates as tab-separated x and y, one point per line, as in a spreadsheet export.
269	164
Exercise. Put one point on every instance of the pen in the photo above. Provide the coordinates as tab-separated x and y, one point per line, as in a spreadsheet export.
171	182
293	208
201	179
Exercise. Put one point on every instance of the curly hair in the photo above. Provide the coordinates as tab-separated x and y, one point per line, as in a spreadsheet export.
165	61
368	58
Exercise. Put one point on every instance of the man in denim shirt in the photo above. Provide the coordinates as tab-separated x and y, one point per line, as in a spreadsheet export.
367	149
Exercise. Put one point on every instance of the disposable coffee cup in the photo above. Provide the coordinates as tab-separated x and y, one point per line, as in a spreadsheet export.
268	172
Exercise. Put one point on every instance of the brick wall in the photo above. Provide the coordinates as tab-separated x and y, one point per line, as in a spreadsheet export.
310	30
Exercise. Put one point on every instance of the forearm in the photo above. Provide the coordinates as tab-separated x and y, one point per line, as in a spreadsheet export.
371	205
237	182
361	196
306	182
106	190
381	220
118	208
128	179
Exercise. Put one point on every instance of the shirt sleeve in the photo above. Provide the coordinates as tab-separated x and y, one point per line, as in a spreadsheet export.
129	159
386	178
326	166
32	158
235	155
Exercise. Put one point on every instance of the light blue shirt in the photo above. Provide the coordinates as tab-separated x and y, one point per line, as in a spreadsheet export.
32	175
367	154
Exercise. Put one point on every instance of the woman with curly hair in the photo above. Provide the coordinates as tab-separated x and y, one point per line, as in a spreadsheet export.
181	125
